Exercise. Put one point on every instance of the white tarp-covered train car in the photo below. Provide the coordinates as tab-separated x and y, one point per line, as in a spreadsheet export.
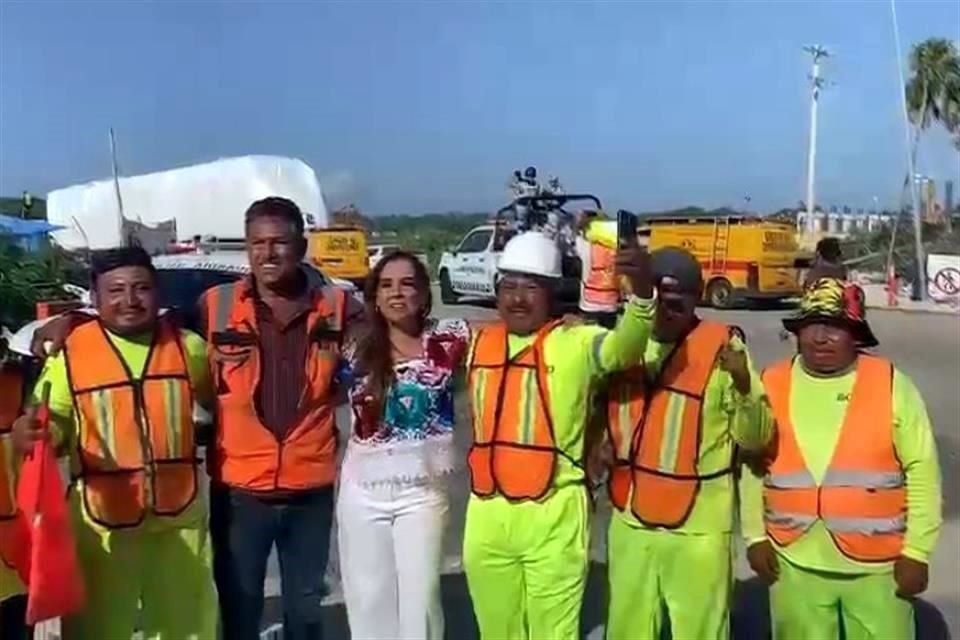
205	199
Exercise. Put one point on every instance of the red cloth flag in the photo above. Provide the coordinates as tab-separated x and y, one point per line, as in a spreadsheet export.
15	546
52	574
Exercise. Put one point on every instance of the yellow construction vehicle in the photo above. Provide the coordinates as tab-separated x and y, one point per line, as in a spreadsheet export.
743	257
340	252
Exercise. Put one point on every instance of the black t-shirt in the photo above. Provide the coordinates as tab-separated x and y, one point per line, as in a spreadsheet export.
825	270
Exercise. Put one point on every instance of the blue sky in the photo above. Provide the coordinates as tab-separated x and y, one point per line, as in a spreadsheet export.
414	107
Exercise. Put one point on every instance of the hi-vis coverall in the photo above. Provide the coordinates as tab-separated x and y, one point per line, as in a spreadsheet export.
158	572
687	569
597	249
818	585
526	561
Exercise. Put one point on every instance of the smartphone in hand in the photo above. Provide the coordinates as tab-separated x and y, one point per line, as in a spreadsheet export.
626	228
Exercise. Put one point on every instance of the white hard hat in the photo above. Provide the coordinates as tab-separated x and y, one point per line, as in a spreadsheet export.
531	253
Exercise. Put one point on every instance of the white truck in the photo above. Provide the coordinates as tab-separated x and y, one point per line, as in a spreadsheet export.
470	269
377	252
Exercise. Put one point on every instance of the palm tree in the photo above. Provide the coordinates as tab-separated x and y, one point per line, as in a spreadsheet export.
933	93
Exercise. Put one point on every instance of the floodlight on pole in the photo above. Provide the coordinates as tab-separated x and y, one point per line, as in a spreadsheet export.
816	52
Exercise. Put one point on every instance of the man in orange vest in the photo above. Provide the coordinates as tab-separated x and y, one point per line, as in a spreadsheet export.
13	601
274	347
850	505
273	343
596	245
122	396
531	383
675	424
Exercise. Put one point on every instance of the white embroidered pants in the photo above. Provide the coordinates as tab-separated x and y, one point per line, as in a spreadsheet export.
390	539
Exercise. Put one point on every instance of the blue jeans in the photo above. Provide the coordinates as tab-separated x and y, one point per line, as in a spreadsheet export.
244	528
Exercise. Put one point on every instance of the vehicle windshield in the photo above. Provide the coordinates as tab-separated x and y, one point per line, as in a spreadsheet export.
181	288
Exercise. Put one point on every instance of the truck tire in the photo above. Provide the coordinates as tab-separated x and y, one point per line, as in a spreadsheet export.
447	295
720	294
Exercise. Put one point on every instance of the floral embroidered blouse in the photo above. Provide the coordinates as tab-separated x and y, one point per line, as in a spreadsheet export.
411	439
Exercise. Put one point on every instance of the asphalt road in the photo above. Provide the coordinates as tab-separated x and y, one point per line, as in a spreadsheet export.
925	346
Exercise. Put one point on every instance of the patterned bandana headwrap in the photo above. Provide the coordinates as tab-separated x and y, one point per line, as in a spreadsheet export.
834	301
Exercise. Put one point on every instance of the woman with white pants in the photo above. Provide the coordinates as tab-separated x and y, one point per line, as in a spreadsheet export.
392	503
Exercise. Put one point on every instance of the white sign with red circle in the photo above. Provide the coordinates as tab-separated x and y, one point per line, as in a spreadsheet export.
943	272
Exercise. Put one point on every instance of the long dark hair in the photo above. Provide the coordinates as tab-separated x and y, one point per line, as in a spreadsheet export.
374	351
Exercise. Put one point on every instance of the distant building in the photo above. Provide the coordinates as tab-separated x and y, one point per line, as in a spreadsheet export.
930	209
842	224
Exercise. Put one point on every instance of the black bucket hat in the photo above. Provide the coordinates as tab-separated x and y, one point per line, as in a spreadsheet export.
834	301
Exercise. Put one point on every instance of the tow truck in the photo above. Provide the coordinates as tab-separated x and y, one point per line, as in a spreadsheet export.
470	269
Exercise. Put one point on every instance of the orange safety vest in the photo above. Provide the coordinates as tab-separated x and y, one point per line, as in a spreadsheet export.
247	454
654	427
135	443
600	284
11	399
514	452
862	497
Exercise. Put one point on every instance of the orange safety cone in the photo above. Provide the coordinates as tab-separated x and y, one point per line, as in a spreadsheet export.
52	573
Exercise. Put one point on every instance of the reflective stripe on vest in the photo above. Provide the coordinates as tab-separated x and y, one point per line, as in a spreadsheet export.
220	301
223	304
600	286
246	453
654	428
136	439
790	520
864	479
795	480
862	497
11	397
514	453
835	478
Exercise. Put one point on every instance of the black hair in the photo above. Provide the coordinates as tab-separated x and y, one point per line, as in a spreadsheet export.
276	207
829	249
679	264
374	351
107	260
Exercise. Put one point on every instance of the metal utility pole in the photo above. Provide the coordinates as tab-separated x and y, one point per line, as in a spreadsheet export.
116	184
816	82
920	284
